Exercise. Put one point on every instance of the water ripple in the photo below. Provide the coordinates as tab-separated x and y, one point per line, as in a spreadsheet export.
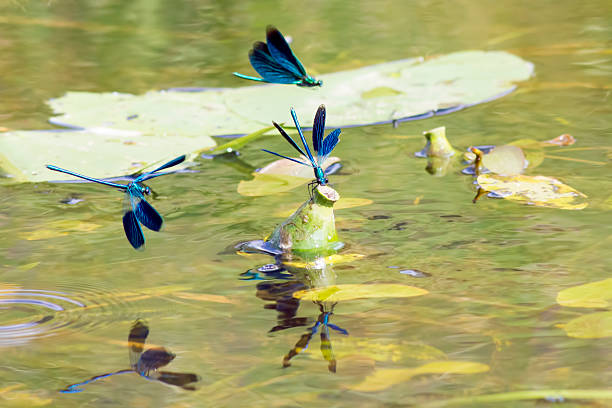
28	314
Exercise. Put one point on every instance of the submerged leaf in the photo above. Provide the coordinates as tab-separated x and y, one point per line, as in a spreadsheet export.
267	184
540	191
387	377
594	294
590	326
359	291
58	229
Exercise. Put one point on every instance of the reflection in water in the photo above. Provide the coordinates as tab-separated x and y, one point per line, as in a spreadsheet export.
279	282
144	363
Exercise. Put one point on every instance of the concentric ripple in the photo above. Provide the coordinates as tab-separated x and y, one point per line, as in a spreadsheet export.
27	314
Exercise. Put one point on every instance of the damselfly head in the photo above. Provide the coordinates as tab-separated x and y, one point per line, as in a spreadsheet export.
146	190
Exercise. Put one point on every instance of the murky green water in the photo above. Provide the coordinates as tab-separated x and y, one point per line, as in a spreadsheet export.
493	270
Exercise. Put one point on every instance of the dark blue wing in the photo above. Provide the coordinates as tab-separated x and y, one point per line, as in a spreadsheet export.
148	216
144	212
133	232
171	163
318	127
328	145
299	129
288	138
268	68
281	52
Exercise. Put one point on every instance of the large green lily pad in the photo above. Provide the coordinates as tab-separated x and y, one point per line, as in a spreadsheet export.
398	90
24	154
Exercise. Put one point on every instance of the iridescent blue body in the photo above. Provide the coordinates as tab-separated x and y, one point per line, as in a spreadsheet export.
136	208
276	62
323	147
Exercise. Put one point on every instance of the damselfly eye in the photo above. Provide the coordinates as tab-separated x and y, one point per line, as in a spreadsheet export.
147	190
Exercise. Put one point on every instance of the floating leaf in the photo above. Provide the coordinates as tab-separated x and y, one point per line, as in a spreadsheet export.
358	291
58	229
540	191
343	203
387	377
289	168
590	326
594	294
378	93
505	160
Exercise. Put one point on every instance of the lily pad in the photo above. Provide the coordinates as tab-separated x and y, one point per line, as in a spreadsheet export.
594	294
590	326
87	153
387	377
391	91
540	191
356	291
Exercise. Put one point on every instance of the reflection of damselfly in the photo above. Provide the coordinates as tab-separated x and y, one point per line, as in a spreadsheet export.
136	209
326	346
144	363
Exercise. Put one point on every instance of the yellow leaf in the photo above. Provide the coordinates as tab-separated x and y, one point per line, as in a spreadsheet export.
387	377
594	294
540	191
58	229
341	204
505	160
358	291
591	326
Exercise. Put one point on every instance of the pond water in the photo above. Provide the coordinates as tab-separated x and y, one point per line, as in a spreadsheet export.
72	287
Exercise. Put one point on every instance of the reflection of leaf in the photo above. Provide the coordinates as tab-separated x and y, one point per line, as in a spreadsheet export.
594	294
334	259
590	326
505	160
58	229
387	377
540	191
341	204
357	291
402	89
